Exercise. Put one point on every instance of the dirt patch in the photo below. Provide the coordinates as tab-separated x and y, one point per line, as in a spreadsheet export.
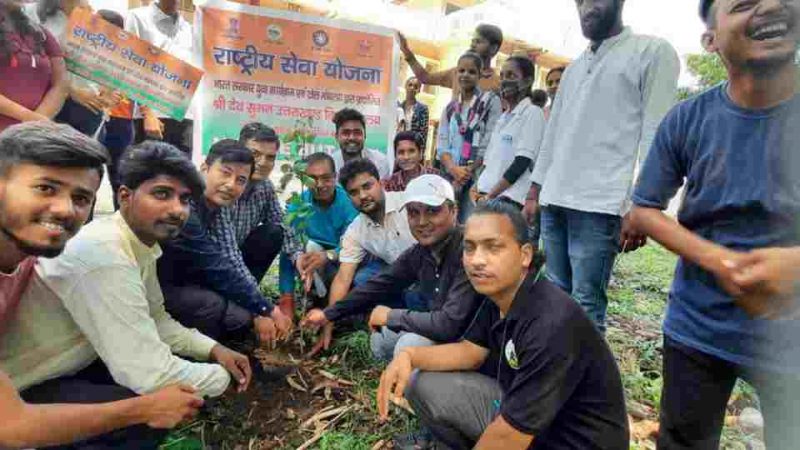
293	401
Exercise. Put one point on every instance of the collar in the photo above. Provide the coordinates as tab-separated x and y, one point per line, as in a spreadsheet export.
610	42
524	104
450	244
159	15
143	254
251	188
338	191
392	202
521	304
475	97
205	213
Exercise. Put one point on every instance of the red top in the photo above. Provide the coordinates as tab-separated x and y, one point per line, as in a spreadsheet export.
397	182
12	286
25	78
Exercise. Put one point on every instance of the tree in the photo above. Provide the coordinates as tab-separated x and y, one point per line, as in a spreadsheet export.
709	71
707	68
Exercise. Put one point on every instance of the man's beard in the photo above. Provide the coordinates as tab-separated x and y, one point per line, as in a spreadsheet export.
352	149
767	67
31	249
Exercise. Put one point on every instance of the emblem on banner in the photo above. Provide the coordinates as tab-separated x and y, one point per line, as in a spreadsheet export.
320	39
365	48
274	33
233	30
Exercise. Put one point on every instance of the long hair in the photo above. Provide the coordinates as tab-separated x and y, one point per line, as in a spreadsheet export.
14	20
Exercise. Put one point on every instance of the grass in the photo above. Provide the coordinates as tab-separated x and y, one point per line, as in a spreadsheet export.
637	300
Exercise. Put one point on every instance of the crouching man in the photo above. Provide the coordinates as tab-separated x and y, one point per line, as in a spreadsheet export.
434	264
546	375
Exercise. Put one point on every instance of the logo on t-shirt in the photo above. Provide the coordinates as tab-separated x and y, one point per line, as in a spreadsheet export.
511	355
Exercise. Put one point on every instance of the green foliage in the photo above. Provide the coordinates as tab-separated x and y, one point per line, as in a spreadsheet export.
358	349
347	441
298	139
709	71
189	437
707	68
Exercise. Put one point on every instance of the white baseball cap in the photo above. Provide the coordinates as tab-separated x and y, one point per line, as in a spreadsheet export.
429	189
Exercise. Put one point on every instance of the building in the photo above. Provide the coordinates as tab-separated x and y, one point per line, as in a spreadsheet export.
439	31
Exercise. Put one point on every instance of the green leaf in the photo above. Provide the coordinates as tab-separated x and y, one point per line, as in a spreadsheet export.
307	181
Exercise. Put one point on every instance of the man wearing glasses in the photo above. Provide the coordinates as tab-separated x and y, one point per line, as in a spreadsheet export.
331	214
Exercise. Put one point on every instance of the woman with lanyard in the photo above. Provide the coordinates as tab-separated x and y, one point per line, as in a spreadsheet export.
465	129
514	145
83	108
33	76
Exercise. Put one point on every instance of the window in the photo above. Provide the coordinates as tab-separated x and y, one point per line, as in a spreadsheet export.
451	8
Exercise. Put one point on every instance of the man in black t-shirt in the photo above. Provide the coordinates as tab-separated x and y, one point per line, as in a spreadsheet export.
532	369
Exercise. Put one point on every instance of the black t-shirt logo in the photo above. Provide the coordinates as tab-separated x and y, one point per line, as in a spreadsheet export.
511	355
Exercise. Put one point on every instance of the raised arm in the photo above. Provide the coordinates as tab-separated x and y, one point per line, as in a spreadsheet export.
442	78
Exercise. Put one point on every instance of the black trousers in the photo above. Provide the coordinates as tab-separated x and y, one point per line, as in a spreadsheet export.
204	309
117	136
95	385
201	308
261	247
79	117
696	390
177	133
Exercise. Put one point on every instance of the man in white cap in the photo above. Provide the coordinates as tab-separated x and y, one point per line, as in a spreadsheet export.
434	264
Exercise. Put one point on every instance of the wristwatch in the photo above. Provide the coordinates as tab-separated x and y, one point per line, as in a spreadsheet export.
331	254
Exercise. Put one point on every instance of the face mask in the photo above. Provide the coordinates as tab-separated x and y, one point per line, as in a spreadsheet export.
511	89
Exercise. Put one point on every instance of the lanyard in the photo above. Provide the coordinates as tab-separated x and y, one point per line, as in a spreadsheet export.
467	131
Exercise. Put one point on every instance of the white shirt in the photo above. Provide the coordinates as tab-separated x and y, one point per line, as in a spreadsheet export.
169	33
606	113
386	241
379	159
107	282
517	133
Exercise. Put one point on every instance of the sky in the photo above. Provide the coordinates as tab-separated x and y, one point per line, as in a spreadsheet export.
554	24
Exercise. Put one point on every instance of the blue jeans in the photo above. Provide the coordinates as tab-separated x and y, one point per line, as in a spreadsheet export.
410	299
580	248
367	269
386	344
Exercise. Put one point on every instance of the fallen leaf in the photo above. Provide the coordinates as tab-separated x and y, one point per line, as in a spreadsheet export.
644	430
327	374
290	380
325	384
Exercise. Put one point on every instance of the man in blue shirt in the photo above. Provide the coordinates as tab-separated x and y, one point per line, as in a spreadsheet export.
738	229
204	286
330	213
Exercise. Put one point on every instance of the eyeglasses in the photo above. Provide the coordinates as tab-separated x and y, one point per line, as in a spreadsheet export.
322	179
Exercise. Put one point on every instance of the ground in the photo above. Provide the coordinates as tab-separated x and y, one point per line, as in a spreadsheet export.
329	403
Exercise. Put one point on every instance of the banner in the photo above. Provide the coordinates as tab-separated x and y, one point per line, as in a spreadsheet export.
289	71
102	52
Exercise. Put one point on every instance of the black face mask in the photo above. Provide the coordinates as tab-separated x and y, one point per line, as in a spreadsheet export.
510	89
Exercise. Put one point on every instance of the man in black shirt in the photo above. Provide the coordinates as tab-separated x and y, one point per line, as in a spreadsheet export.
546	378
434	264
